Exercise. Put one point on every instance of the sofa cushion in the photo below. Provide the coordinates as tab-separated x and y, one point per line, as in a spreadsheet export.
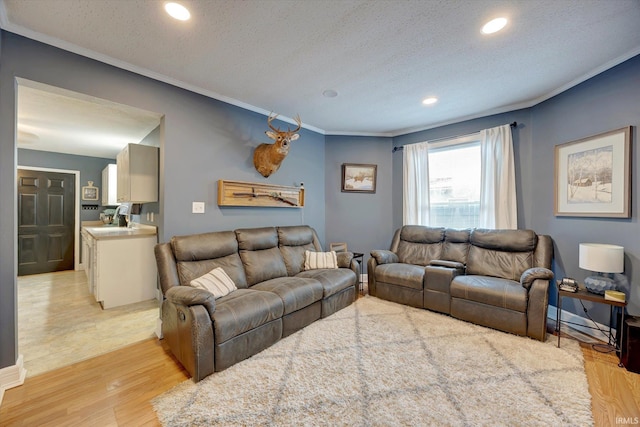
295	292
263	265
419	245
293	242
501	253
254	239
204	246
407	275
333	280
504	240
198	254
456	245
260	255
492	291
216	281
244	310
315	260
232	265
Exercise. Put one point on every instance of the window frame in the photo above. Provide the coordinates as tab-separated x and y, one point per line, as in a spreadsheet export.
449	143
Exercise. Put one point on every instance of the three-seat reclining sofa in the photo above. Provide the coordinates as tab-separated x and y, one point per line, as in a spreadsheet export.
275	295
494	278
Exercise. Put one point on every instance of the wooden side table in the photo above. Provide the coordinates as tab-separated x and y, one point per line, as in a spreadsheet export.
583	294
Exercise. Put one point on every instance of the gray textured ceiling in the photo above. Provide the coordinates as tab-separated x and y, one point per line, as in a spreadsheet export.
382	57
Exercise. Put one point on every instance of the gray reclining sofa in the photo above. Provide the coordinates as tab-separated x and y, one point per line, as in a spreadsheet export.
275	295
494	278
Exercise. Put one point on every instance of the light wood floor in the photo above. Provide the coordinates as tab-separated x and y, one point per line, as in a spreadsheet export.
60	323
116	388
109	390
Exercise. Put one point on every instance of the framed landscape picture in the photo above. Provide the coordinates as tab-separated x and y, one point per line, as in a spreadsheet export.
593	176
358	178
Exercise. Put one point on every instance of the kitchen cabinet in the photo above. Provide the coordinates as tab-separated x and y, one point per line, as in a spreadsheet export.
110	185
87	246
121	267
137	180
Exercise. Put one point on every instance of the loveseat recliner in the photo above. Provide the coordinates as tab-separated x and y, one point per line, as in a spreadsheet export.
494	278
275	295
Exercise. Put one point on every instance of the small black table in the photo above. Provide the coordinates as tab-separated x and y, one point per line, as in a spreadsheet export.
359	256
583	294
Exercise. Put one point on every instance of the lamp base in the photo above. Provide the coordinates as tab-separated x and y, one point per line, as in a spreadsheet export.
599	284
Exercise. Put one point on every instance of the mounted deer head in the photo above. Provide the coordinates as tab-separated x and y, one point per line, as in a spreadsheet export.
267	157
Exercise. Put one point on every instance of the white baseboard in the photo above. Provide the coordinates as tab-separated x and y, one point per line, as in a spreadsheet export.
12	376
159	328
364	278
581	324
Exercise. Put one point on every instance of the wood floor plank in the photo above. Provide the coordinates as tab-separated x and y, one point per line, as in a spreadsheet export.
112	389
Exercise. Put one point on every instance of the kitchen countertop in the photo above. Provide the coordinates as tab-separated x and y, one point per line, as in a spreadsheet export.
113	232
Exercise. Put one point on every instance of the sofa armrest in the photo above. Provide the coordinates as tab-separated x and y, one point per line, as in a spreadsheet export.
537	310
384	257
344	259
188	296
188	330
448	264
535	273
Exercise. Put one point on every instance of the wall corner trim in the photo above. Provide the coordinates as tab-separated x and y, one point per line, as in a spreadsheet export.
12	376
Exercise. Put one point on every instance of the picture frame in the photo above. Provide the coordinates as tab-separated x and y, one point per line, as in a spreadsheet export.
593	176
359	178
89	192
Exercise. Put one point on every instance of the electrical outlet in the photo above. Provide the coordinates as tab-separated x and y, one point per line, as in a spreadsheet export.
197	207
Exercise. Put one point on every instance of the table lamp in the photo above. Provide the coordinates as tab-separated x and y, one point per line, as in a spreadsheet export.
601	258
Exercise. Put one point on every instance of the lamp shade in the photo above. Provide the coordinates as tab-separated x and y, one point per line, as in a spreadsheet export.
601	258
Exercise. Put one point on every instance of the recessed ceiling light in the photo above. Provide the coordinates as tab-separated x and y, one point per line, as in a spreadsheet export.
429	101
494	25
177	11
329	93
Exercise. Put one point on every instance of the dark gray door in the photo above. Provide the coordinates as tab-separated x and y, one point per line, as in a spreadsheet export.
46	221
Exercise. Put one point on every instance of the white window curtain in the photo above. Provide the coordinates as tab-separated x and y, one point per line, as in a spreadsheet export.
498	206
416	184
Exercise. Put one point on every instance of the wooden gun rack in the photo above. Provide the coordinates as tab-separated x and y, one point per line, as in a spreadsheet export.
238	193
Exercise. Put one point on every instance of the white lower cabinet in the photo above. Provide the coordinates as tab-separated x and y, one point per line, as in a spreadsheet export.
123	270
87	259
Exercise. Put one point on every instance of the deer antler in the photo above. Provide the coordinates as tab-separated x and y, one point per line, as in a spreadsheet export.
298	121
269	119
296	118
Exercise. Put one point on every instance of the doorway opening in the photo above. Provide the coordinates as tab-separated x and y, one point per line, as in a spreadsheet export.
64	142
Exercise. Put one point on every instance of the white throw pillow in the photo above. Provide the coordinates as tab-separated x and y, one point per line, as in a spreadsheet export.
315	260
217	281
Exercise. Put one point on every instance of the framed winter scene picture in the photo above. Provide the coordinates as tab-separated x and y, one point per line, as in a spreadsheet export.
593	176
358	178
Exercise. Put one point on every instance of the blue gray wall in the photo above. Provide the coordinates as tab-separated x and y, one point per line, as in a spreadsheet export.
202	140
606	102
362	220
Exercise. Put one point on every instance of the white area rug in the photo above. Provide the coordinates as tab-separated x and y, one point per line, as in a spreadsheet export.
380	363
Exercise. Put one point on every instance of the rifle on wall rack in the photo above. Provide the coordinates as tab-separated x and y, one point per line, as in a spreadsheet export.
238	193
